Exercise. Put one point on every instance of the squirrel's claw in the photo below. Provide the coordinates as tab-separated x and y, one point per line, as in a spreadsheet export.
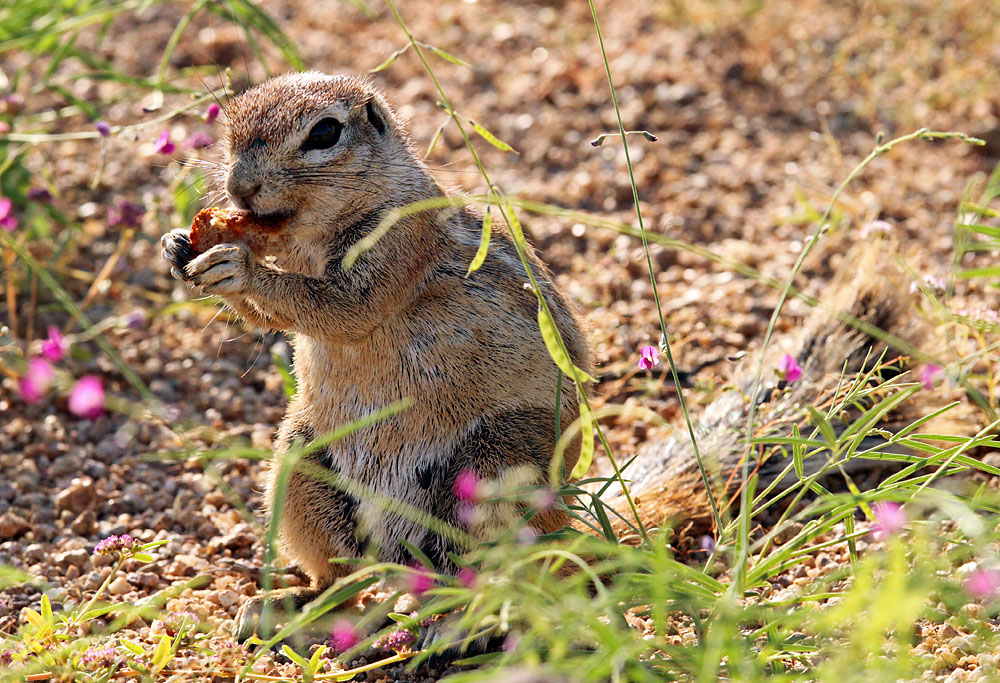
223	270
443	629
177	251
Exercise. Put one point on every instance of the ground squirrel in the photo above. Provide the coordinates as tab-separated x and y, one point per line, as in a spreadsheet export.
328	154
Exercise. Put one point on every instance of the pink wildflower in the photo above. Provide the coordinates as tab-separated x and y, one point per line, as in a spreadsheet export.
163	144
87	397
117	544
343	636
7	220
467	576
420	581
212	113
103	128
466	486
982	584
929	283
199	140
889	519
56	346
788	369
399	640
928	375
37	380
649	357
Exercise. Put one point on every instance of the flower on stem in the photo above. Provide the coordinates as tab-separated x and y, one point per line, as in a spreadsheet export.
99	656
40	195
420	581
343	636
467	576
163	145
37	380
199	140
397	641
56	346
929	283
87	397
890	518
125	213
212	113
103	128
982	583
789	369
467	486
649	357
7	220
123	544
929	374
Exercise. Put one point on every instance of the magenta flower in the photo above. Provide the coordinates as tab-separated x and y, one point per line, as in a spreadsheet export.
103	128
649	357
87	397
399	640
467	576
37	380
126	213
343	636
788	369
889	519
982	584
117	544
212	113
100	656
466	486
420	581
929	374
163	144
56	346
199	140
7	220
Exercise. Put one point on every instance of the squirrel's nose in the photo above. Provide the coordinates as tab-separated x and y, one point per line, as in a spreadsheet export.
241	191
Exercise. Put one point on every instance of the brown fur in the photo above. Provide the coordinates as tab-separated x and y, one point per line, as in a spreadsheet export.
404	322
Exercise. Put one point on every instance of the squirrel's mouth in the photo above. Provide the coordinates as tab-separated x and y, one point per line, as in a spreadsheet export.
272	219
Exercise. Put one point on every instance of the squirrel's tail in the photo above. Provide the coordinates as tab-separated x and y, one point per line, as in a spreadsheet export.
844	336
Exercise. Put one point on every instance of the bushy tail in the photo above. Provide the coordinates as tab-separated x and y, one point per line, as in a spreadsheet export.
871	295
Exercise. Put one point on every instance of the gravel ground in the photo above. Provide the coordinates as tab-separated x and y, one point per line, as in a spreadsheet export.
759	116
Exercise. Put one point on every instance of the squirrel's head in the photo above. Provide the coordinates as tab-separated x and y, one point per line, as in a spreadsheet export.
310	146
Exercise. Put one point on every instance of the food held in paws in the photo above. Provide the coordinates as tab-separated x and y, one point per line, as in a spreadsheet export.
261	234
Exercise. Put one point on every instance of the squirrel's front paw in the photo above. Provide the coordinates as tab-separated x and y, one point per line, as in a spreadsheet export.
177	251
223	270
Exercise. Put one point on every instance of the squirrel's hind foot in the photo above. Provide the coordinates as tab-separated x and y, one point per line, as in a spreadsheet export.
260	614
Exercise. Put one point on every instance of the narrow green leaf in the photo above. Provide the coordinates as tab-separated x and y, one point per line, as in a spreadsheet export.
406	621
437	136
390	59
587	445
46	609
162	654
550	335
142	557
484	243
134	648
294	656
491	138
445	55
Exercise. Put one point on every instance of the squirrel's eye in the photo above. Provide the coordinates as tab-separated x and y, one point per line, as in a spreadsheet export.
324	134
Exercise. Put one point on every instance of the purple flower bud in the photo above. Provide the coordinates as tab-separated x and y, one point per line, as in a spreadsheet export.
649	357
212	113
466	486
87	397
199	140
163	145
103	128
788	369
125	213
135	319
7	220
420	581
117	544
40	195
56	346
37	380
343	636
467	576
929	374
889	519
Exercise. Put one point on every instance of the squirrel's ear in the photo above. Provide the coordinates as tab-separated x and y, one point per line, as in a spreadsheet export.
375	117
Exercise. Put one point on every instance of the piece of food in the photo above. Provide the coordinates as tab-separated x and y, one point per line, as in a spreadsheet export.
261	234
